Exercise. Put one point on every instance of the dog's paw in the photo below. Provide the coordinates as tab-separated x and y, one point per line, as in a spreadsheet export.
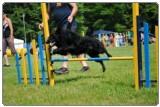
109	55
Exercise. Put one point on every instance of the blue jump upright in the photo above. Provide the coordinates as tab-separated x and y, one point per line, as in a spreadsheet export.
18	68
41	60
146	54
29	64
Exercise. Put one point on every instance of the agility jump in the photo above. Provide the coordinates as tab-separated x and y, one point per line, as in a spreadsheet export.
49	60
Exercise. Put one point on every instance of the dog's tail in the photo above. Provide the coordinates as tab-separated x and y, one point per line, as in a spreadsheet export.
108	54
89	32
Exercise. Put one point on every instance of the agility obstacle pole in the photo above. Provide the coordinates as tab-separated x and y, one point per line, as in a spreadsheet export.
147	79
48	57
138	70
146	54
139	51
157	41
47	49
135	13
32	65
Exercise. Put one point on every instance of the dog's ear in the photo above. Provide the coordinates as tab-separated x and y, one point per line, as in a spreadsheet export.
52	31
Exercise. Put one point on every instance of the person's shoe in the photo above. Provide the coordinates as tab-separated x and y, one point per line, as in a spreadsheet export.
85	68
5	65
62	71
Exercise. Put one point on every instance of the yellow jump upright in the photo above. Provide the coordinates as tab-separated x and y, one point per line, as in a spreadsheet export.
24	67
135	12
157	41
35	61
47	49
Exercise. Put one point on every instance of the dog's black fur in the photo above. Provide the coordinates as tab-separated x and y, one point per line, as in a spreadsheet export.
89	32
70	42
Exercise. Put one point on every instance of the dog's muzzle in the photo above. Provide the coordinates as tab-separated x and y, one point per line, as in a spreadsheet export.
52	44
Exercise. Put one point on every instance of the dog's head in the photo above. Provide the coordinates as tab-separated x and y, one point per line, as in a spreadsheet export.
52	39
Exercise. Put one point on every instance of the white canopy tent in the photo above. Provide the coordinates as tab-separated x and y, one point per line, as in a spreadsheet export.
18	43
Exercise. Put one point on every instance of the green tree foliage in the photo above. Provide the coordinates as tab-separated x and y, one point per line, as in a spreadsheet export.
149	14
109	16
118	16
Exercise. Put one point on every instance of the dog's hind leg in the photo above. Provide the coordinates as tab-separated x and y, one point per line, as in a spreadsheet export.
100	61
102	64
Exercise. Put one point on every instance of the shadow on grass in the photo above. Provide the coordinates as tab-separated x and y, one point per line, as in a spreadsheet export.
75	79
103	81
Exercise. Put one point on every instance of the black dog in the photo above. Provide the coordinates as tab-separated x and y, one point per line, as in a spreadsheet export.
70	42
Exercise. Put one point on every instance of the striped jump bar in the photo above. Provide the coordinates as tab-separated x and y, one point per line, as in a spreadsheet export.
91	59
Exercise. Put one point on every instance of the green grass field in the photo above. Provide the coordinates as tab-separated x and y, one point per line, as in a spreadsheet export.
114	87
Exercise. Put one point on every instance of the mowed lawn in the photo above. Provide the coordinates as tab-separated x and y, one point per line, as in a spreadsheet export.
116	86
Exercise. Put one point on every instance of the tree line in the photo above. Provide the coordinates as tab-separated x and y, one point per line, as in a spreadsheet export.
116	17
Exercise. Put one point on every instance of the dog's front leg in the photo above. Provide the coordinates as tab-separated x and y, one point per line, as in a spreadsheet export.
57	51
61	51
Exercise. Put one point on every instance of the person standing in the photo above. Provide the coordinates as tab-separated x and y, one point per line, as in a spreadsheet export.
129	37
8	38
111	40
120	39
64	16
117	40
